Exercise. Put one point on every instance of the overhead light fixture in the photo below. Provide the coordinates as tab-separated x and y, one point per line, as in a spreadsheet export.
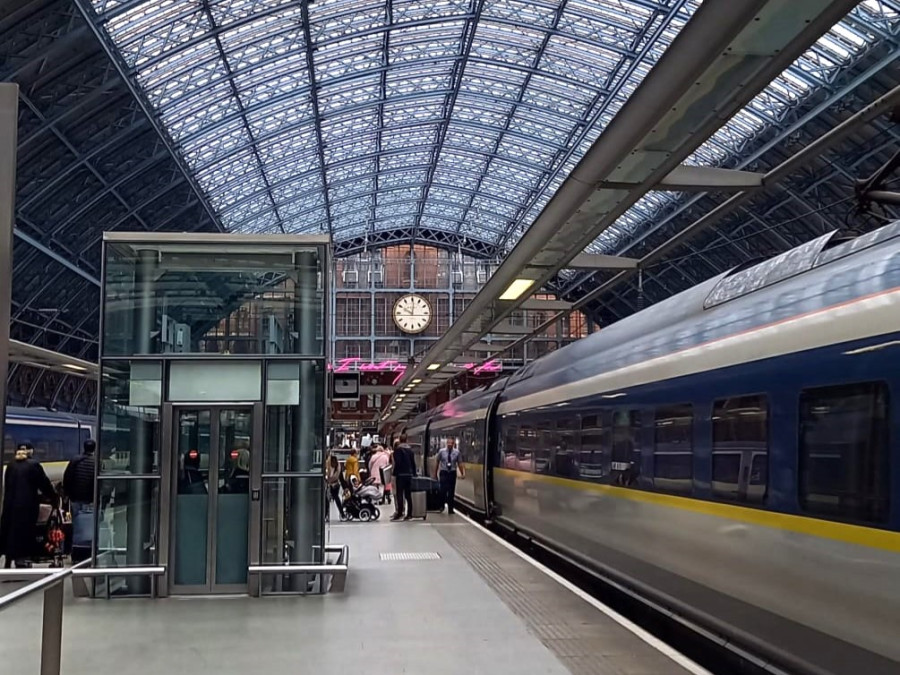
516	289
400	397
72	366
417	381
434	366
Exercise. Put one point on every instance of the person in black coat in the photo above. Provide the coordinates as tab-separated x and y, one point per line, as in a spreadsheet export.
404	470
24	483
78	485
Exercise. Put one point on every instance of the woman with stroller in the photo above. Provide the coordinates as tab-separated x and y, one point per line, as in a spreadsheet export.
333	482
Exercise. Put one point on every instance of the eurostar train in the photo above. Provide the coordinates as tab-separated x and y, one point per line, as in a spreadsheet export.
730	453
57	437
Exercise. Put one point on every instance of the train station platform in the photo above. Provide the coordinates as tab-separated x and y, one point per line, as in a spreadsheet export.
436	597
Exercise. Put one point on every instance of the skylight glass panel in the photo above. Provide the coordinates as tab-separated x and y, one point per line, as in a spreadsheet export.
378	110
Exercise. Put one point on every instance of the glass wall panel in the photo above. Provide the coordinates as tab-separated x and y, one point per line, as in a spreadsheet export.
292	529
224	299
127	527
129	433
211	381
295	434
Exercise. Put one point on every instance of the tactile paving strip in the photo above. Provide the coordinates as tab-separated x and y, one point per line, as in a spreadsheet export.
428	555
585	640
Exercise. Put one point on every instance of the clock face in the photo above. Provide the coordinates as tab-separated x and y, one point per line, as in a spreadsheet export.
412	313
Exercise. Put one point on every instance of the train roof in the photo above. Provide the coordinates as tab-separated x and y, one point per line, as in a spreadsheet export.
43	415
825	271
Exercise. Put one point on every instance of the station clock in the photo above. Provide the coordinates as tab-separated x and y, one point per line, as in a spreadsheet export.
412	313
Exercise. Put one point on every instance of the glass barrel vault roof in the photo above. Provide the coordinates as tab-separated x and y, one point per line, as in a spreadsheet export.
353	116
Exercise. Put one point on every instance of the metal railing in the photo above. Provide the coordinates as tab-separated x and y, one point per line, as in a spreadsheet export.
334	575
51	582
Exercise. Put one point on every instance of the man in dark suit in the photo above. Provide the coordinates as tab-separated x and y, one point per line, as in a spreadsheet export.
404	470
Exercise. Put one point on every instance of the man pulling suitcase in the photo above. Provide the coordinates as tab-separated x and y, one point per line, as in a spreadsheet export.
448	465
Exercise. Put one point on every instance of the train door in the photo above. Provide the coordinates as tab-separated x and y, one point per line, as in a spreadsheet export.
491	442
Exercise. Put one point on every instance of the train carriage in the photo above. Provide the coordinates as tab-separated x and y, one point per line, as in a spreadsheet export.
729	453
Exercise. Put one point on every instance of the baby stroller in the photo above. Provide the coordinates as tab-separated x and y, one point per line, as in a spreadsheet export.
360	500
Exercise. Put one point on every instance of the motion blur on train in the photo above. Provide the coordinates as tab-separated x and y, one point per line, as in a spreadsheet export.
729	454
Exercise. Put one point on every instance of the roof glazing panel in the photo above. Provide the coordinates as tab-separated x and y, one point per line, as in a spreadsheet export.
462	115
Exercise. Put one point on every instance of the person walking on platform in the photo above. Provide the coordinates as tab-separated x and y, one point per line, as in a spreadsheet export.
78	485
404	470
448	465
333	482
351	466
379	461
24	484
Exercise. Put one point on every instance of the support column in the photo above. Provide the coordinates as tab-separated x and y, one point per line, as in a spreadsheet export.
306	502
141	454
9	126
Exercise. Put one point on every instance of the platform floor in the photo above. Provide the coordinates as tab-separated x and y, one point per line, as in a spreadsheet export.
461	603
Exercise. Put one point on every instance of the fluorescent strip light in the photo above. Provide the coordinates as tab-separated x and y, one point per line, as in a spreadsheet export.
434	366
416	381
517	288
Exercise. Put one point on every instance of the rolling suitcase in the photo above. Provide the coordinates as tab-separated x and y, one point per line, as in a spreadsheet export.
432	488
418	505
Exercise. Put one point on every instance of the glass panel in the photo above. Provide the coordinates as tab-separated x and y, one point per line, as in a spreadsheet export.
223	299
215	381
191	521
127	528
145	387
129	434
673	458
292	445
740	447
292	527
844	452
233	499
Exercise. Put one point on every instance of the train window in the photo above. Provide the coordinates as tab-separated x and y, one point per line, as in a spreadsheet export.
593	460
510	446
566	457
844	452
740	448
673	449
626	447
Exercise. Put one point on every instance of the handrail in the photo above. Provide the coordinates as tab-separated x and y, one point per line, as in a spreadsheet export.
48	577
338	570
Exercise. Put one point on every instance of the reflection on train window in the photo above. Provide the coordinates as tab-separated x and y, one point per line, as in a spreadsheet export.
593	463
844	468
740	448
673	466
525	449
565	459
626	447
510	446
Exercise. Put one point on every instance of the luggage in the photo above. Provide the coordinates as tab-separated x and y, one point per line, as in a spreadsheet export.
434	500
418	505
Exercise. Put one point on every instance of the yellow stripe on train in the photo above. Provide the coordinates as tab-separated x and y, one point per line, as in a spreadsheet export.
826	529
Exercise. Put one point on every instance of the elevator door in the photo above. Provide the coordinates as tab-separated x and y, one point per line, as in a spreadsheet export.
211	499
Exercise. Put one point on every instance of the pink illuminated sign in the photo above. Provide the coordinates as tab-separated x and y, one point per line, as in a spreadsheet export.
355	364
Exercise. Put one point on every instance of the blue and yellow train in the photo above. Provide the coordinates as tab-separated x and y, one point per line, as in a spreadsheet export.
729	453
